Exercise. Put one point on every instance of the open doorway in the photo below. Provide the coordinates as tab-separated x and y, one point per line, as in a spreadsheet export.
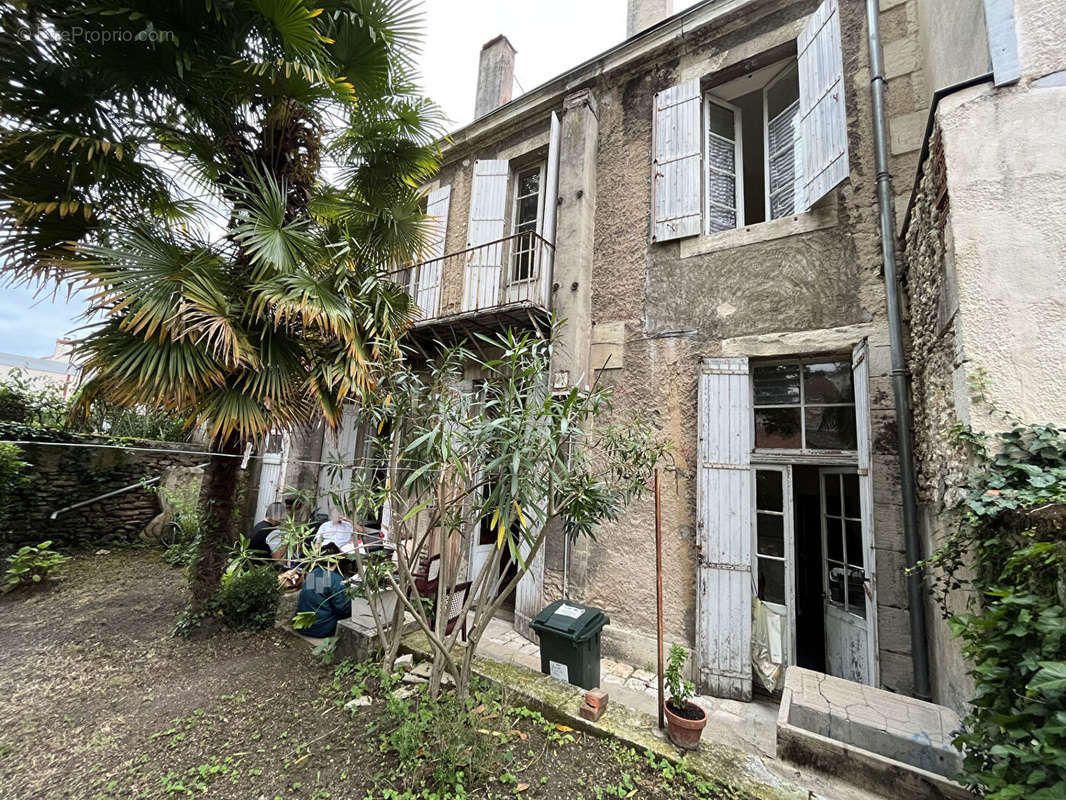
810	626
811	548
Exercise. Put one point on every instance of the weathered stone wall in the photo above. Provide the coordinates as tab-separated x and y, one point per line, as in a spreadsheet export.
797	286
938	375
985	267
61	475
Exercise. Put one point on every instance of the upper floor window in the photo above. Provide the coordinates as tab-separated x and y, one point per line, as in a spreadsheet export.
526	222
804	405
731	151
752	139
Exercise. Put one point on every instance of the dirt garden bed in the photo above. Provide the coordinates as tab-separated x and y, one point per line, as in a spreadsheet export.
101	702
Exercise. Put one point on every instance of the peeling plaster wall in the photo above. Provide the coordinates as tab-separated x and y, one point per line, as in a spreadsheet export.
1006	171
810	284
938	374
804	288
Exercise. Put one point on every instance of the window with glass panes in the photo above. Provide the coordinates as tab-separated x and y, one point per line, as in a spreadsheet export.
770	538
844	557
804	405
526	224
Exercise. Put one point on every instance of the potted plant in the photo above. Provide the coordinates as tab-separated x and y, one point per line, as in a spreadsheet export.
685	721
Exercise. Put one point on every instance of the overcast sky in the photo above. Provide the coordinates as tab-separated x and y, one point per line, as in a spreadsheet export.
549	35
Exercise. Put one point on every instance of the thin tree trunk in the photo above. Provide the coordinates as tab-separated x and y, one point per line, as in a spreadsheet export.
219	498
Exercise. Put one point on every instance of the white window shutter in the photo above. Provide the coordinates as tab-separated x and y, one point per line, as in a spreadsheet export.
723	512
427	289
823	116
551	204
782	149
488	209
676	185
860	373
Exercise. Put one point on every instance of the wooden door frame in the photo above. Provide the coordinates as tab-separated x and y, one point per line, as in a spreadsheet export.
789	517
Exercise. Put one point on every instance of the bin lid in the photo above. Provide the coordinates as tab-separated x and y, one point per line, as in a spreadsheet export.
572	620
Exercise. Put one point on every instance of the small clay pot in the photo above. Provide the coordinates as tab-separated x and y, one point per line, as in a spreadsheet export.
683	732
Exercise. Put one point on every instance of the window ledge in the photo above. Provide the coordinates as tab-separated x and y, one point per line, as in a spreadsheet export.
817	218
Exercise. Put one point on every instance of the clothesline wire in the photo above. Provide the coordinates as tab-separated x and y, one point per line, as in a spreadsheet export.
362	462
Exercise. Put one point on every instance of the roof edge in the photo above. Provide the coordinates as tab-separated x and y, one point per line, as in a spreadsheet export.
553	90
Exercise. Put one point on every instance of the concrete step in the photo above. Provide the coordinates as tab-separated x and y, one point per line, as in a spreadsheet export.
846	728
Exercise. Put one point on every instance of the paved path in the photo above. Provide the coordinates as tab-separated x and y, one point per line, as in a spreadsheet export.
748	727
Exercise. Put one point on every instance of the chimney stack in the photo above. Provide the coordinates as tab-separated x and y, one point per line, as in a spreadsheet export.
495	75
642	14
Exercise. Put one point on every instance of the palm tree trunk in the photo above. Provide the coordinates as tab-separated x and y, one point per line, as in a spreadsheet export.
217	536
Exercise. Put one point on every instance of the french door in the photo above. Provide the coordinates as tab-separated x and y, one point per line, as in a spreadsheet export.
846	577
774	548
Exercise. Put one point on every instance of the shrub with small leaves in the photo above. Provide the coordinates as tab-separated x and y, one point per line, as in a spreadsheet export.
31	565
1011	519
249	600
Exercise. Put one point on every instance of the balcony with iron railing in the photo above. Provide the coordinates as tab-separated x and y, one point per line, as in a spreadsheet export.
506	281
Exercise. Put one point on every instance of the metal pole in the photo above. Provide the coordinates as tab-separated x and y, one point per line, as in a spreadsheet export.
886	205
659	591
115	493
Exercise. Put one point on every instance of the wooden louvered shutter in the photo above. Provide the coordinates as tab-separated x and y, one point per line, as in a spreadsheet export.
823	117
676	183
488	208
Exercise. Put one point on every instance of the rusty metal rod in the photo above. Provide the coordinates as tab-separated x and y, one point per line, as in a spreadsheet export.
659	592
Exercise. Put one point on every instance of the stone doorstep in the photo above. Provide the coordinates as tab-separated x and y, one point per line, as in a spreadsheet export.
847	729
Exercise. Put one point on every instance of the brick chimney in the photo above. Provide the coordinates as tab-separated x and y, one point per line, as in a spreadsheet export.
642	14
495	75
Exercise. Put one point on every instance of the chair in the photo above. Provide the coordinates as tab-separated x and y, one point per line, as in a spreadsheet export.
427	575
455	603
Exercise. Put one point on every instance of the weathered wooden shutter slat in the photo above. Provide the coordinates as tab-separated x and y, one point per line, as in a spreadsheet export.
339	453
551	204
488	209
676	185
427	294
860	374
723	504
823	115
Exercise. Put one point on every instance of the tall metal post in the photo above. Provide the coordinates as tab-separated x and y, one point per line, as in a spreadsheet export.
659	591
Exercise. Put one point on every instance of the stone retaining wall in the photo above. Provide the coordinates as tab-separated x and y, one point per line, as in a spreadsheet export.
61	475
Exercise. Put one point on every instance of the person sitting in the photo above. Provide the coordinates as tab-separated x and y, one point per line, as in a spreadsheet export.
325	594
266	541
339	531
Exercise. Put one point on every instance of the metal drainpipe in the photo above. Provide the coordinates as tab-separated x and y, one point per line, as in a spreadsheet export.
886	204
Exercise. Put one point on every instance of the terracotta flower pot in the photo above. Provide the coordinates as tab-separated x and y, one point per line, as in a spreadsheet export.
683	732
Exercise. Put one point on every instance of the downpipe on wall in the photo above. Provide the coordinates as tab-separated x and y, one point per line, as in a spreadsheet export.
886	206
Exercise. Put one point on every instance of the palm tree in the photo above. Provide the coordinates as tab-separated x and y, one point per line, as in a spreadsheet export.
226	179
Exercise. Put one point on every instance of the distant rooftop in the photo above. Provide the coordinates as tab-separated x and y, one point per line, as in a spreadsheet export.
39	364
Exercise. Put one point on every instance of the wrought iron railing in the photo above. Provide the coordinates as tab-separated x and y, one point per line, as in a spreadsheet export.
512	271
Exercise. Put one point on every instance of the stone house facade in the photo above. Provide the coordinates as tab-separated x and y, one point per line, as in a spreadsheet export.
699	204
